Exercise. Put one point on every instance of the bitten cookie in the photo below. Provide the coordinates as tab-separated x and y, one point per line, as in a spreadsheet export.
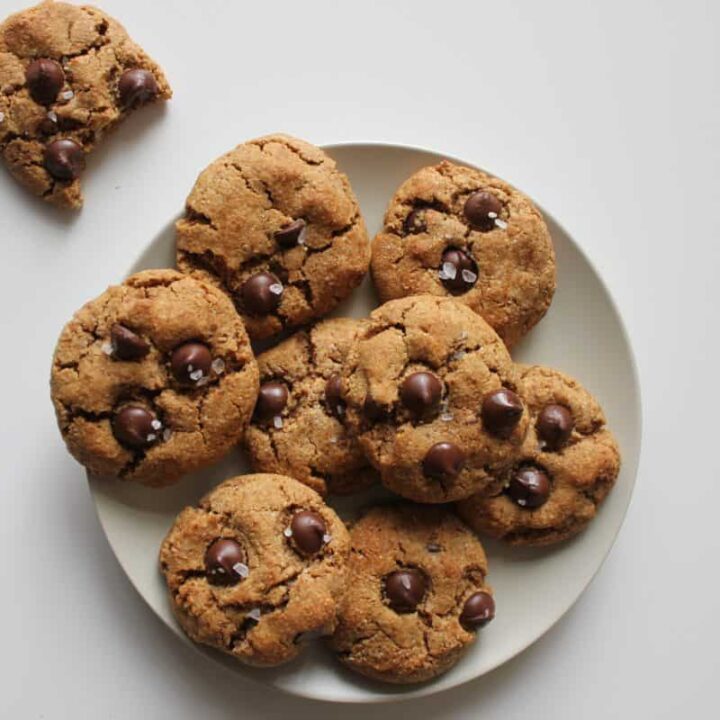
257	568
569	463
153	379
277	226
68	73
455	231
418	594
430	392
297	426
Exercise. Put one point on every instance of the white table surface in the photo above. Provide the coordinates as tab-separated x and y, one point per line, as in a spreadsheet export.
607	112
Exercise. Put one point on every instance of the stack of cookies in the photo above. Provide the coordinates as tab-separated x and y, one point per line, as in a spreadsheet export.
162	375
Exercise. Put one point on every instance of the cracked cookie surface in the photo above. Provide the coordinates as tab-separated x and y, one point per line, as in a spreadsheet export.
416	382
68	73
267	589
455	231
298	428
567	466
418	594
277	226
153	379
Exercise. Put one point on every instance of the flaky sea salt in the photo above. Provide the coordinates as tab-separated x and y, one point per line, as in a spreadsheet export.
469	276
254	614
521	502
218	366
52	116
446	417
151	437
2	116
107	348
241	569
202	381
287	532
327	538
196	375
155	424
492	215
277	422
276	289
67	95
501	224
167	434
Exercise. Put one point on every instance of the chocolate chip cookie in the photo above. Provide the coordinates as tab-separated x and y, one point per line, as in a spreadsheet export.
418	594
257	568
277	226
297	428
431	395
453	231
568	464
68	73
154	378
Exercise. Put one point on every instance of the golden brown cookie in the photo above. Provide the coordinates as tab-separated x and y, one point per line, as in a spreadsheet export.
257	568
430	392
68	73
297	428
277	226
418	594
153	379
568	464
454	231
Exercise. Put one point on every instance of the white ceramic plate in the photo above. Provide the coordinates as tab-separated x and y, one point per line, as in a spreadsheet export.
582	335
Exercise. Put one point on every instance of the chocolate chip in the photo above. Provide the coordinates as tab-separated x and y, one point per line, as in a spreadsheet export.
44	79
405	589
478	611
373	410
136	86
190	362
554	426
421	393
261	293
443	461
271	401
414	223
501	412
482	209
333	396
225	562
458	271
529	487
308	531
48	125
292	234
126	344
64	159
136	426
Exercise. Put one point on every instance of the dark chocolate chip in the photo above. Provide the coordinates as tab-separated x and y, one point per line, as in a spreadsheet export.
458	271
373	410
136	86
271	400
554	426
421	393
191	362
44	78
333	396
482	209
529	487
136	426
308	532
414	223
501	412
443	461
225	562
478	611
405	589
126	344
64	159
292	234
261	293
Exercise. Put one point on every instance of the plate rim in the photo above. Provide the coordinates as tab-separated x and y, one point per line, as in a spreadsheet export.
410	692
